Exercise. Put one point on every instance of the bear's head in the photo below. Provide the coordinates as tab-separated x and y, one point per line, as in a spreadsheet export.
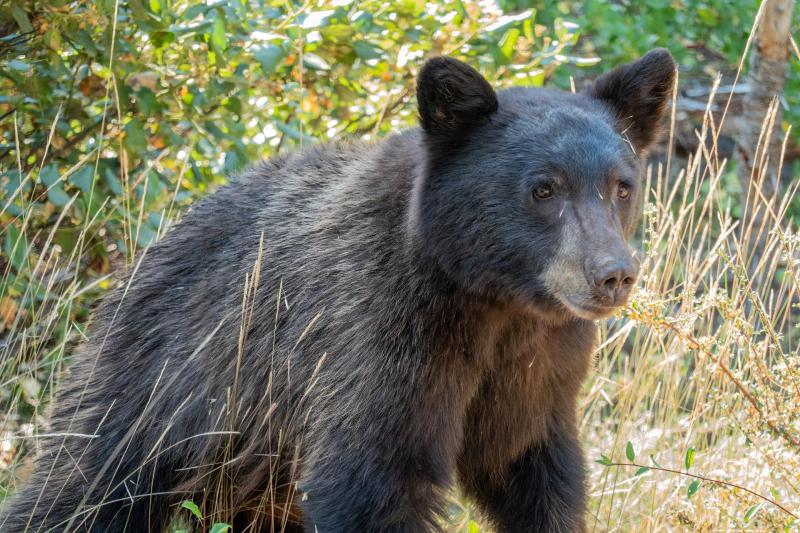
532	194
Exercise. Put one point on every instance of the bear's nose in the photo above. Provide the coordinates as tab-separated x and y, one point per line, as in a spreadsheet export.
614	279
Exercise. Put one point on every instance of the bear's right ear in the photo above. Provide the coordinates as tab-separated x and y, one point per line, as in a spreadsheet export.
452	97
637	94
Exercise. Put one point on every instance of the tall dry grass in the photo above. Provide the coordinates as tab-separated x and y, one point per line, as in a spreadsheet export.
694	409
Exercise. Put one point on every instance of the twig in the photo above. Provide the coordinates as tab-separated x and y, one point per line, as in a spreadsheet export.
694	344
710	480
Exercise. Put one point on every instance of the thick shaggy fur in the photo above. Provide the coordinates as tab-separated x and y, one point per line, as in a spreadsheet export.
340	334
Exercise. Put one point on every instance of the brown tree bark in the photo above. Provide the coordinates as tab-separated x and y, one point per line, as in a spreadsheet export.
759	148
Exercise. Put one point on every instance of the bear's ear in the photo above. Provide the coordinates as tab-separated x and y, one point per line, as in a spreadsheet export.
637	94
452	97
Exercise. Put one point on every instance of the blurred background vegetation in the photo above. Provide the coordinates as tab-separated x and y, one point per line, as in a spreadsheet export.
116	115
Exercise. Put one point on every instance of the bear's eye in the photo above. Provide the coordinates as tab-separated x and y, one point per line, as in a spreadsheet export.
543	191
623	191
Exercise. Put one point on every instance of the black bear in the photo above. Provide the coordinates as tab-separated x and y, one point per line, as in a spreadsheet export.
335	338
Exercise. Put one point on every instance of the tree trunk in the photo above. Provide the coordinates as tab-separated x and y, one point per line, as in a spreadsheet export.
759	147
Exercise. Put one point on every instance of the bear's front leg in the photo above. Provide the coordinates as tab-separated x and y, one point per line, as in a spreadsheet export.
352	493
382	458
541	491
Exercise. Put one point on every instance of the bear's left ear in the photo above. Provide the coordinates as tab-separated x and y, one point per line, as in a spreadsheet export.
637	94
452	97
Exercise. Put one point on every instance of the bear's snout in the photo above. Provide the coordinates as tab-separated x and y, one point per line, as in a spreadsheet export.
612	279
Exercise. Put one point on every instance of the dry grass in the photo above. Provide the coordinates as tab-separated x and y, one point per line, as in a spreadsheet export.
700	374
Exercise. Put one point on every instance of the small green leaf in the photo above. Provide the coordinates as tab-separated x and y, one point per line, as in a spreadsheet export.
193	508
49	175
112	181
219	527
314	62
473	527
57	196
693	486
145	235
641	470
653	459
293	132
508	42
604	460
689	460
367	50
752	512
135	138
83	178
218	37
162	38
269	57
147	102
15	246
18	65
629	453
21	18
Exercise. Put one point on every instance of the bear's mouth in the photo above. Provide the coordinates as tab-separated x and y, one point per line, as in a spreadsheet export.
588	310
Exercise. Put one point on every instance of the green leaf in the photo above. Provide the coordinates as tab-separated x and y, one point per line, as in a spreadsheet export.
193	508
49	175
57	196
83	178
21	18
269	57
314	62
162	38
508	42
752	512
653	459
147	102
15	246
508	20
315	19
66	238
18	65
219	527
604	460
462	12
294	133
218	37
641	470
86	42
693	486
473	527
135	137
145	235
689	460
629	453
112	181
367	50
52	38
